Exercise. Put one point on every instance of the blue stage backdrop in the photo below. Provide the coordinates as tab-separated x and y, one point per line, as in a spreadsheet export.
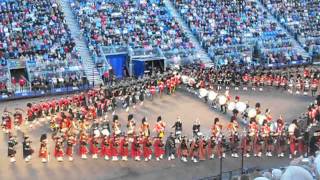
117	62
138	67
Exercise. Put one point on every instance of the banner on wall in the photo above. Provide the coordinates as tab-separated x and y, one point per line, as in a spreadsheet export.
138	67
117	62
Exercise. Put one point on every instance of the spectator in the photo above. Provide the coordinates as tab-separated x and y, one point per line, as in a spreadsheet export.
22	83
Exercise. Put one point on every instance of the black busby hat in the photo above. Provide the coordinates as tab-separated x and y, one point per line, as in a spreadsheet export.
115	117
144	119
130	117
216	120
29	105
43	137
159	118
26	137
258	105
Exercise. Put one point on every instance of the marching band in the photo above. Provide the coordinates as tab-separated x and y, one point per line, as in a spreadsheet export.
79	122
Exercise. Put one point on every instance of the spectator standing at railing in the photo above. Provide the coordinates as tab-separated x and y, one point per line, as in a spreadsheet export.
106	76
22	82
3	88
14	83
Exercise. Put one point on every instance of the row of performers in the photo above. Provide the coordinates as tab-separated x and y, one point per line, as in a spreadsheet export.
291	84
255	142
91	104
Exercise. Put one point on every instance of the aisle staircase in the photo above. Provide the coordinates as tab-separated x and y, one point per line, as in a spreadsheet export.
81	45
202	54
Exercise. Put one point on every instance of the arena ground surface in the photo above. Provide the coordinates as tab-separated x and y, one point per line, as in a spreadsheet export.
182	104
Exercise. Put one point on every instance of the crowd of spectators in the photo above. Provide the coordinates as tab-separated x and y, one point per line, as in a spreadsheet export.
34	33
301	18
239	25
137	24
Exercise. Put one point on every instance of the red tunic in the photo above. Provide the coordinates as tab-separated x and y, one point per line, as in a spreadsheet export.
147	148
124	147
18	118
153	90
158	148
135	148
161	86
202	150
58	151
69	151
94	146
83	150
8	122
113	147
105	147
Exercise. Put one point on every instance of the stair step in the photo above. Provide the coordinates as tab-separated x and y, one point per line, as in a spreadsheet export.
81	45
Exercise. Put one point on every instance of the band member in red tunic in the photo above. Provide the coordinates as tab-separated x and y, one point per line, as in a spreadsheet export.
6	122
105	147
116	126
270	80
211	147
267	138
216	128
245	144
30	113
18	119
124	148
161	88
160	127
299	85
58	150
94	146
202	148
173	85
168	85
114	144
71	141
12	143
314	86
245	80
131	126
293	129
234	138
284	83
43	150
194	150
83	150
279	135
53	107
158	146
183	149
147	152
144	128
135	148
152	91
253	133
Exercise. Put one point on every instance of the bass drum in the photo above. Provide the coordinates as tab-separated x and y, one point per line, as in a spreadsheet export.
241	106
231	106
203	92
185	79
252	113
222	99
212	95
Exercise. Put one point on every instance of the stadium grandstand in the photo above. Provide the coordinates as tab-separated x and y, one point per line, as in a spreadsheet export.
75	69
